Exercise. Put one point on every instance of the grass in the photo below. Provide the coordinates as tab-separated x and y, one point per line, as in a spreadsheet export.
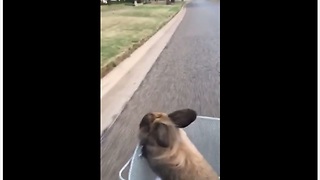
124	28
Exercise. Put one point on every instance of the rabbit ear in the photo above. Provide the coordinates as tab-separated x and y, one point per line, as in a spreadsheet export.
161	134
182	118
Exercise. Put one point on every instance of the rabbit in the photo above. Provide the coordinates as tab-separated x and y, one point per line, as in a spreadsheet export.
168	150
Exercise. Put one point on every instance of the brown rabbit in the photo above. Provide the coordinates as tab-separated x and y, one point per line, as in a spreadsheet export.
168	150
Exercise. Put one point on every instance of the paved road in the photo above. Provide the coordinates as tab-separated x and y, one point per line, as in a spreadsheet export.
186	74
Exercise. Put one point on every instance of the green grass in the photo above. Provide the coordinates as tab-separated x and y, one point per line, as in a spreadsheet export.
122	26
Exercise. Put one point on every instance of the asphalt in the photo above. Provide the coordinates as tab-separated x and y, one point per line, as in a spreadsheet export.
185	75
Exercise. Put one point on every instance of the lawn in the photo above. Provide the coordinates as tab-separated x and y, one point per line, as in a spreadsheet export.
124	28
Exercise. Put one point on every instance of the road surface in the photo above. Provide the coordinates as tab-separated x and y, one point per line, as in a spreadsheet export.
186	75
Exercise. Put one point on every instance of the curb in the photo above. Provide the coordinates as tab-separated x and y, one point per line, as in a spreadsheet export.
119	85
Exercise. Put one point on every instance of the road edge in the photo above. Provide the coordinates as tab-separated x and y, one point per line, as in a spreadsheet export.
119	85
